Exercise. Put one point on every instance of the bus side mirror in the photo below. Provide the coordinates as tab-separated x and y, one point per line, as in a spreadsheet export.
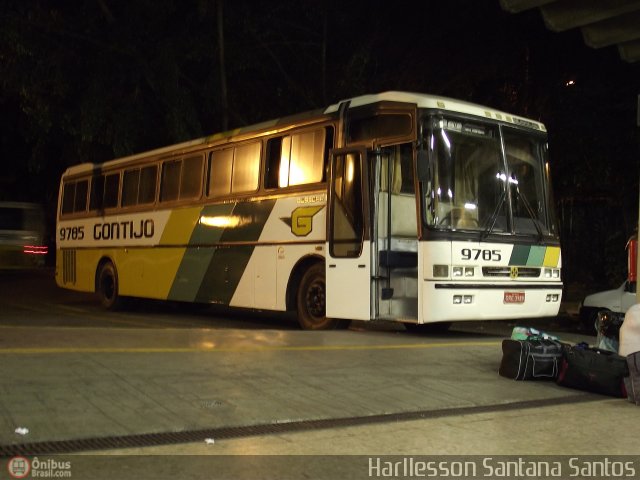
424	170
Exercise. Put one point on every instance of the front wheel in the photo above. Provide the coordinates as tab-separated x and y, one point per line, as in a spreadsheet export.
311	302
107	287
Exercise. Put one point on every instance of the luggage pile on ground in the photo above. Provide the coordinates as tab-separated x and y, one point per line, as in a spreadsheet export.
534	355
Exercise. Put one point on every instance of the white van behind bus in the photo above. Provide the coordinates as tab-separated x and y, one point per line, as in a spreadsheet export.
22	236
617	301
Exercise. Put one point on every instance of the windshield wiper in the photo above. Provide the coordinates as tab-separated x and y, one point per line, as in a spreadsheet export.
494	216
531	213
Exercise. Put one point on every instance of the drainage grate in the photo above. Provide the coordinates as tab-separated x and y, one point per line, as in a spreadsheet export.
172	438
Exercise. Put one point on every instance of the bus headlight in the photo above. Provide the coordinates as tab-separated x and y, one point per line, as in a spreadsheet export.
463	271
551	273
441	271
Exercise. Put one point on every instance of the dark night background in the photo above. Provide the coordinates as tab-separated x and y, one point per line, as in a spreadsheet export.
90	80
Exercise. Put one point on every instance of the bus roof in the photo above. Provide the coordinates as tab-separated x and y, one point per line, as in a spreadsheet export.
421	100
439	103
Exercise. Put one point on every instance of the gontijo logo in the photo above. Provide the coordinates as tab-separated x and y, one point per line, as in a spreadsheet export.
19	467
301	220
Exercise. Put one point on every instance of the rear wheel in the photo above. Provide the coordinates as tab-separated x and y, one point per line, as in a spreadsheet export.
311	302
107	287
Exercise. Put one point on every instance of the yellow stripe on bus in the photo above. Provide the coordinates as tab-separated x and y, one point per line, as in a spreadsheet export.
551	257
180	226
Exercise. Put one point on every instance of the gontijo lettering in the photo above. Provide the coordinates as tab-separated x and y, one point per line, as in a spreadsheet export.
124	230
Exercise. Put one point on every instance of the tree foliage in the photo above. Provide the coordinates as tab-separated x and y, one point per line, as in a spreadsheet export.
90	80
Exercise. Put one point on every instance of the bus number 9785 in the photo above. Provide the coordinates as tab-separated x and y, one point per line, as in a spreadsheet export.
478	253
72	233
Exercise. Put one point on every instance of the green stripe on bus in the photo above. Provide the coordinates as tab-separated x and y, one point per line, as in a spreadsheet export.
190	274
225	269
530	255
213	221
536	256
209	272
519	255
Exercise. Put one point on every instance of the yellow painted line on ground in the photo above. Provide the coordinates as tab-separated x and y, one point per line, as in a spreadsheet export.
308	348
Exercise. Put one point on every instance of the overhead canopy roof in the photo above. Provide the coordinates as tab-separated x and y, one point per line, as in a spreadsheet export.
603	23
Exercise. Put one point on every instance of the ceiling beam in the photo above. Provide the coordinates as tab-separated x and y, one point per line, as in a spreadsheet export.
568	14
602	22
517	6
630	52
619	29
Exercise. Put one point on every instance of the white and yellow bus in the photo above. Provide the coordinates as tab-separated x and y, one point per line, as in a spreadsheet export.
394	206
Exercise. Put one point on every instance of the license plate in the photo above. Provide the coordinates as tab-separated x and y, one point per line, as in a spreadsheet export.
513	297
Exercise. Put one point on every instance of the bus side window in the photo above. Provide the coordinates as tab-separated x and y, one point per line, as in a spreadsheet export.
306	160
220	166
170	185
82	192
111	188
68	195
148	181
272	163
97	193
191	180
130	183
74	196
181	179
298	159
246	168
139	186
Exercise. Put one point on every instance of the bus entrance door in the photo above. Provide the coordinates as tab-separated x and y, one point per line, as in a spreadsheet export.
395	234
348	262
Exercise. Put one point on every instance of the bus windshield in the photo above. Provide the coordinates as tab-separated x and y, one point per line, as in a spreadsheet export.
476	185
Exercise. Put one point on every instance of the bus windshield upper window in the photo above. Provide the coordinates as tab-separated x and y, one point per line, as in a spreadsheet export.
527	182
466	189
379	126
470	178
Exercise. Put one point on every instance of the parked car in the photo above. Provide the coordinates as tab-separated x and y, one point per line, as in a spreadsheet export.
22	236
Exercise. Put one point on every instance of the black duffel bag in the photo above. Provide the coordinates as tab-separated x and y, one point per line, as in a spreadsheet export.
593	370
531	359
